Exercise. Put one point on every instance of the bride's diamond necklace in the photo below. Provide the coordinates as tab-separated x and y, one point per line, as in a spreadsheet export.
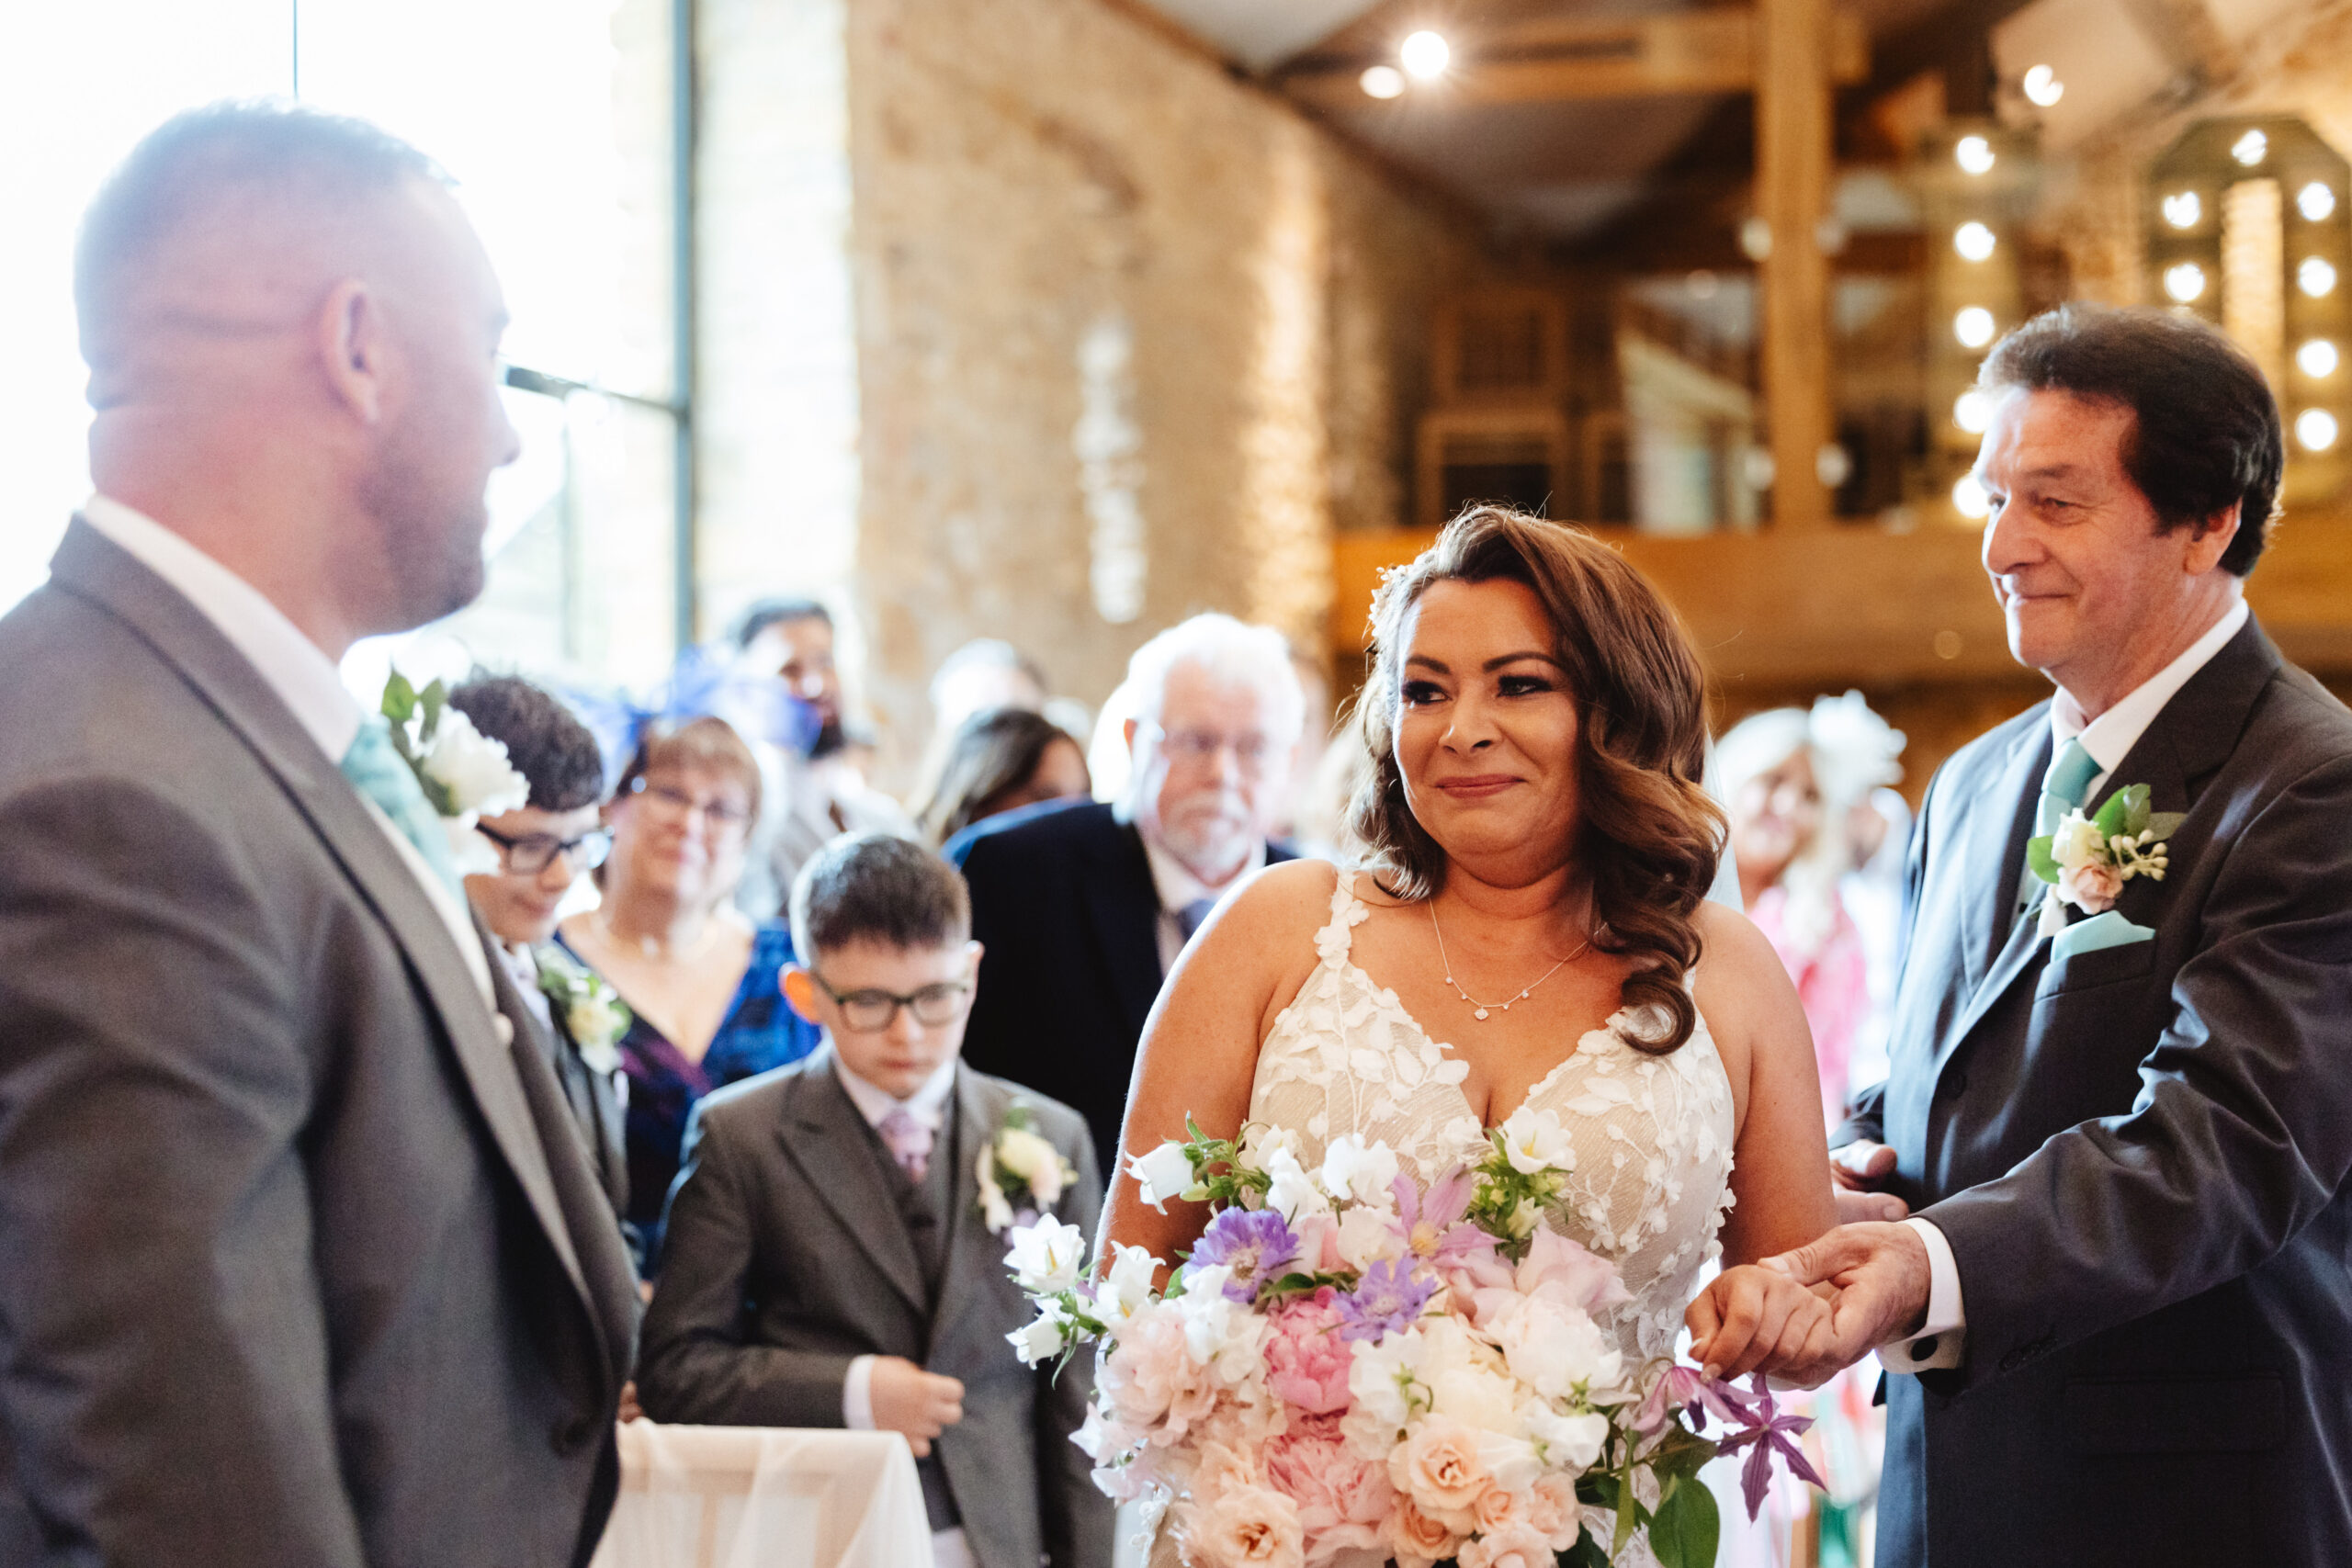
1479	1009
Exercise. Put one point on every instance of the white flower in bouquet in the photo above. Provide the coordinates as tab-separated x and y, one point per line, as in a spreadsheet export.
1359	1172
1045	1257
1035	1160
1385	1387
1566	1442
1558	1350
1164	1173
1045	1338
1292	1191
1534	1141
1261	1144
1367	1235
473	769
1126	1285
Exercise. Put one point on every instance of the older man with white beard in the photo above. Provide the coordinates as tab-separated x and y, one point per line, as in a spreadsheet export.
1083	910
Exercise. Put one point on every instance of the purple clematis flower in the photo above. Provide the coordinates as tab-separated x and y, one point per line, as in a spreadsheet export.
1678	1387
1255	1244
1769	1431
1385	1301
1431	1223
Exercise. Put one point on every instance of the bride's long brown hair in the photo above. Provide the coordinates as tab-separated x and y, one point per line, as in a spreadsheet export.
1651	835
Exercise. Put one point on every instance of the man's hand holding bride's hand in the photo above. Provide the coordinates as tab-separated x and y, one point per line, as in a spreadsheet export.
1855	1173
1755	1319
1881	1279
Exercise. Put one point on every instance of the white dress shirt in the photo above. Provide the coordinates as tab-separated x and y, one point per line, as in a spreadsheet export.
928	1106
1943	1337
301	675
1178	887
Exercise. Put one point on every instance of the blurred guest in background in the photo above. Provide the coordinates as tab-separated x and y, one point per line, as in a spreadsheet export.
983	675
1790	779
543	848
809	800
1083	910
700	979
997	762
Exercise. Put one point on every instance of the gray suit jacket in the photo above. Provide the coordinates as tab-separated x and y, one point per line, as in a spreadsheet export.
785	1262
2139	1156
302	1265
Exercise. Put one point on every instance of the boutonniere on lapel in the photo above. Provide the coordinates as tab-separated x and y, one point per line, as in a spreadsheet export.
464	774
1022	1175
594	1014
2088	859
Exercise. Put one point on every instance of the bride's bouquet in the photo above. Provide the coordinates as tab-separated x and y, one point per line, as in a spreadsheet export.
1352	1368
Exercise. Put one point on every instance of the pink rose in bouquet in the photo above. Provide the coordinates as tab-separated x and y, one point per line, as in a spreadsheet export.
1520	1545
1306	1358
1240	1525
1343	1502
1439	1469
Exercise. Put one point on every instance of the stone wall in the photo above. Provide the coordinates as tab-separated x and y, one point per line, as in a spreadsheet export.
1132	340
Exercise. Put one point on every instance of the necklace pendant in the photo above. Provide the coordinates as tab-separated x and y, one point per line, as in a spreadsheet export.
1481	1014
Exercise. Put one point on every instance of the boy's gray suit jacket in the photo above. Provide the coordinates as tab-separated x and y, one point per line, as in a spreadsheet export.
785	1259
300	1263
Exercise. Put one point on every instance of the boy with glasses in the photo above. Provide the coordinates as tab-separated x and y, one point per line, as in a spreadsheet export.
544	848
836	1240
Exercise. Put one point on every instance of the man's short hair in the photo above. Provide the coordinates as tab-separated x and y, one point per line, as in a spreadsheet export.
1229	650
874	887
775	613
545	742
207	159
2205	431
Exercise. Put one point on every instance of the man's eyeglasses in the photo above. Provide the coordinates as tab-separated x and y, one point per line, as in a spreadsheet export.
724	815
871	1012
1251	752
529	854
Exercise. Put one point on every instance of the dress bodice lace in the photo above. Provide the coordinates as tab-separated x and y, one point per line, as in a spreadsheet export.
1652	1134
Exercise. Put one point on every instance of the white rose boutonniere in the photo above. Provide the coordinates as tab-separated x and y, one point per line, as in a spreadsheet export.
1021	1174
2088	859
464	774
592	1012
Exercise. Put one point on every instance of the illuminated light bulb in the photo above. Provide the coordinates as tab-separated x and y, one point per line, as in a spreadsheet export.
2314	201
1968	498
2314	277
2316	359
1425	55
2251	148
1382	82
2182	209
1973	410
1972	327
2042	86
2315	430
1973	155
1972	241
2185	281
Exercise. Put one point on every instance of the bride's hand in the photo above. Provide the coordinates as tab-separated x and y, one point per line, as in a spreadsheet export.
1751	1319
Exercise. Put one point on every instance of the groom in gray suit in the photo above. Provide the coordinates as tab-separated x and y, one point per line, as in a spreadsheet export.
2121	1322
300	1263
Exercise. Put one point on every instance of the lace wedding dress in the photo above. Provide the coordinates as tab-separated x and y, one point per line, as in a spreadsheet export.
1652	1134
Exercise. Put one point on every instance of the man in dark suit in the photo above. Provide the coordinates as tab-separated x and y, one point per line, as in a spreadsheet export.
1083	909
831	1258
304	1265
2120	1318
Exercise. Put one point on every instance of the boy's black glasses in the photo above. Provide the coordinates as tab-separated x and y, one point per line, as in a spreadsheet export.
534	852
869	1013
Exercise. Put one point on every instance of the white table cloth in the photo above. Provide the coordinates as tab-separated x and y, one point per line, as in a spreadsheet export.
765	1497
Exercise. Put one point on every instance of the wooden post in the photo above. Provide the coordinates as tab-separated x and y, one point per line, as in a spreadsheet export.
1792	154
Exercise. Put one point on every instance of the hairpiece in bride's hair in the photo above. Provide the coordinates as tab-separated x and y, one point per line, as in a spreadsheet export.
1652	836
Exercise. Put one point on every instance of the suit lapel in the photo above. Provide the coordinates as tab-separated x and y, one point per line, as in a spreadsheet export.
94	567
826	1137
1125	905
970	1248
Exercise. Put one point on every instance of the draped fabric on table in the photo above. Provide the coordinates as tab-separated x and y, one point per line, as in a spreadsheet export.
765	1497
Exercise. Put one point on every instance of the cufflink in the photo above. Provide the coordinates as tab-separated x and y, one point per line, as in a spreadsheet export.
1924	1347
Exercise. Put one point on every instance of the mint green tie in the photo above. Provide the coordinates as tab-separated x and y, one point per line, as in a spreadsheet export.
378	771
2066	787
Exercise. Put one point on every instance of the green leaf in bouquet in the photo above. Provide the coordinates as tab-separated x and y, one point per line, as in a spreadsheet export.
2040	861
2118	810
1686	1527
399	701
1629	1508
1679	1453
1586	1553
2164	824
430	702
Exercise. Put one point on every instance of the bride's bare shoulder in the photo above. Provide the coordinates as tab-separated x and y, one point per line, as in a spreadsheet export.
1282	898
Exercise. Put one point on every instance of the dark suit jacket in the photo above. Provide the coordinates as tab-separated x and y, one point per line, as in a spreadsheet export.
595	1107
2139	1156
786	1259
304	1266
1063	901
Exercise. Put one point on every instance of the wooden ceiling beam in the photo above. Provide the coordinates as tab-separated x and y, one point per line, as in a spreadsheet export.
1563	59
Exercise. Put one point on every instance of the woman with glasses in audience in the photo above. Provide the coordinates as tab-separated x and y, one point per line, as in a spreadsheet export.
700	980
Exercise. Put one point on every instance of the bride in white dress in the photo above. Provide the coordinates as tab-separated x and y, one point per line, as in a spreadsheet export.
1531	930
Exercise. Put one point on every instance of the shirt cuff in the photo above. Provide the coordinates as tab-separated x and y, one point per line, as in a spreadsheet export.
857	1396
1943	1339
